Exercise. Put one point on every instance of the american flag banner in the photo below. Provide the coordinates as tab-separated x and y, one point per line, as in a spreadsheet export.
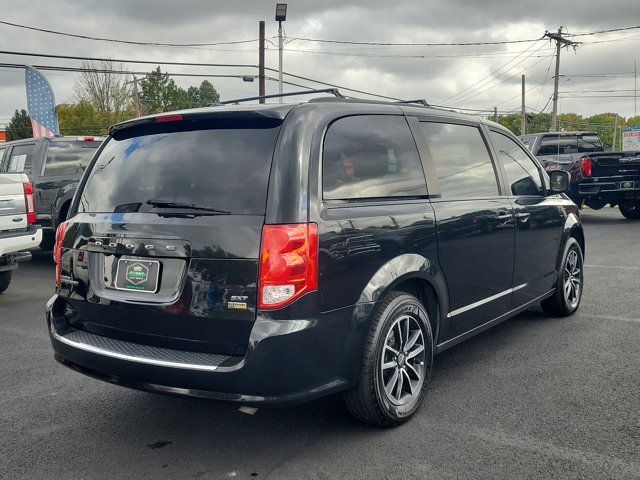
40	104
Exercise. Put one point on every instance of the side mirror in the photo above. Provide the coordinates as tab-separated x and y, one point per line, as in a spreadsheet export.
559	181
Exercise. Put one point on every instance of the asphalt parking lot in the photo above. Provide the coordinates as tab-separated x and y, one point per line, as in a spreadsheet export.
533	398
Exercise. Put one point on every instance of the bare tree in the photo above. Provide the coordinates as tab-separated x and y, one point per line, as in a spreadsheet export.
106	87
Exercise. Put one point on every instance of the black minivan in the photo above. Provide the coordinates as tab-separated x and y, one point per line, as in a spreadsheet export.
272	254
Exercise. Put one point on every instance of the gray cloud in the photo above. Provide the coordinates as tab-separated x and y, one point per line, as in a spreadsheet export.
395	75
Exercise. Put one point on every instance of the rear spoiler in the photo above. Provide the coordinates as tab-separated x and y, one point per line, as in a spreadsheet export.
189	117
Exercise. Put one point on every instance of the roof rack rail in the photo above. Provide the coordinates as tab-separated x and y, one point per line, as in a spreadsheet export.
420	101
333	91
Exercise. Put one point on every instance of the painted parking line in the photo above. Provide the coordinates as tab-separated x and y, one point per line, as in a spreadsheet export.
610	317
617	267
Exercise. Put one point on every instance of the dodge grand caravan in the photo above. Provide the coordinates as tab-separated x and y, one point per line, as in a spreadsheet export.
272	254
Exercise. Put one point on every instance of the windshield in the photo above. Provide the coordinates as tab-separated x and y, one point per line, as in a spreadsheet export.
222	169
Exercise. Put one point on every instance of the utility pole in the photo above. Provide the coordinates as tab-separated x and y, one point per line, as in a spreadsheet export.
495	114
523	113
261	62
615	132
136	97
560	42
635	87
280	47
281	16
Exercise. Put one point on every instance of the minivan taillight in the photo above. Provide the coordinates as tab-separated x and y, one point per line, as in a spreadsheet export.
288	263
586	165
29	203
57	249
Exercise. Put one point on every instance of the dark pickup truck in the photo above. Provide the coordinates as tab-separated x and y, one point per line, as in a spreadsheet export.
54	167
598	178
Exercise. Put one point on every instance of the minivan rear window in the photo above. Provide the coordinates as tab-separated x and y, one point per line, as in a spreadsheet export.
225	169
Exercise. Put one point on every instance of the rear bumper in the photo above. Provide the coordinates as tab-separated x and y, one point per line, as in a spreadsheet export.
12	242
608	190
288	360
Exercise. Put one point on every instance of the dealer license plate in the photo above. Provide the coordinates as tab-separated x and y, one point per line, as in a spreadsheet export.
137	275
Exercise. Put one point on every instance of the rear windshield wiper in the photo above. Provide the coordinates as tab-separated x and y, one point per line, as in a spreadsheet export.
185	206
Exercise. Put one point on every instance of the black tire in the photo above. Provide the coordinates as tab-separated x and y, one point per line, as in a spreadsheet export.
5	280
563	303
630	209
368	400
48	241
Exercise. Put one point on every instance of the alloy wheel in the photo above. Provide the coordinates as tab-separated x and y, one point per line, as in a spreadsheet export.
403	361
573	279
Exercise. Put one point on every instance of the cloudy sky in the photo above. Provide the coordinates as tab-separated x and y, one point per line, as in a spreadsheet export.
597	77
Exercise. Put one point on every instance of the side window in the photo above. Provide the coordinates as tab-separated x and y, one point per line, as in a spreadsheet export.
371	156
21	160
2	152
461	159
523	176
589	143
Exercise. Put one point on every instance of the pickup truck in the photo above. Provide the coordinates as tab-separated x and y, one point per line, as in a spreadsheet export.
18	230
54	166
598	178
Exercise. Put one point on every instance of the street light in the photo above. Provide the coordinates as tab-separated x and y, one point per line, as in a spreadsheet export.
281	16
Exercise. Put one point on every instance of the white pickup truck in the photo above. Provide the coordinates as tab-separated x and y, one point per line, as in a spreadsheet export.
18	230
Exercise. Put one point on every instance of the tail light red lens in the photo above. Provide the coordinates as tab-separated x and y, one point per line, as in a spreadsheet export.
57	249
288	263
586	165
29	202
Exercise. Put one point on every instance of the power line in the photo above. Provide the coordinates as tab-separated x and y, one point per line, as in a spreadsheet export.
597	96
622	39
496	55
604	74
70	57
120	60
54	68
546	77
128	42
488	78
411	44
578	92
127	72
529	89
584	34
473	94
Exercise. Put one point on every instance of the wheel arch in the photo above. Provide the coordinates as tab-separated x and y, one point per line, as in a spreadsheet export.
409	273
572	228
61	206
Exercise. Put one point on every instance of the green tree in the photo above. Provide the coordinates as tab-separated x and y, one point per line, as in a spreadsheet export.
511	121
538	122
633	121
207	94
161	94
603	124
19	126
103	86
202	96
81	119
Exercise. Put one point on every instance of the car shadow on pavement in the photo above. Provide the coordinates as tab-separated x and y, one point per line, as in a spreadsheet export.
220	437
